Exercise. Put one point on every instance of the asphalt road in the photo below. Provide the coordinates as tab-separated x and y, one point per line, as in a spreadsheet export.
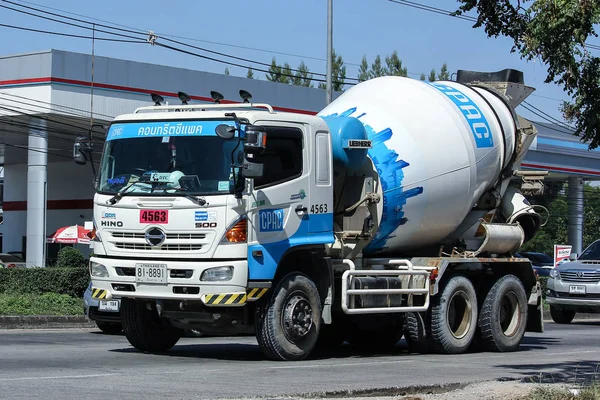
76	364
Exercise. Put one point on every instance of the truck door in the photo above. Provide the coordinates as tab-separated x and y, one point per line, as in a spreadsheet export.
279	202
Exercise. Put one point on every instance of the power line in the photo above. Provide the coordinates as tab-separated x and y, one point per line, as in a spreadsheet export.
133	37
50	105
449	13
22	28
545	119
549	116
135	30
344	81
65	22
166	46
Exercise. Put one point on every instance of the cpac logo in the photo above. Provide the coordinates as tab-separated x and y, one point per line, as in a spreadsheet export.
477	122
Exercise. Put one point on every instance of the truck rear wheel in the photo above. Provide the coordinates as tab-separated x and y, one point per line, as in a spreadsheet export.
288	326
416	332
454	316
503	317
144	329
561	316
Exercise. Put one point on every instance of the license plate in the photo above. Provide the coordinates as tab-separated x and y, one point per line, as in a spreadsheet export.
151	273
577	289
109	305
154	216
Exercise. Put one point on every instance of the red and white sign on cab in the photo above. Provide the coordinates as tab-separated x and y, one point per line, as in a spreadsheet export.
561	253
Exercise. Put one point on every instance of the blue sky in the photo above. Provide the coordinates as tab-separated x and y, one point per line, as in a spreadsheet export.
424	40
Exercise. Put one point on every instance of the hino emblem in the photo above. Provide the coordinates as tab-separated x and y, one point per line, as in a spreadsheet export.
155	237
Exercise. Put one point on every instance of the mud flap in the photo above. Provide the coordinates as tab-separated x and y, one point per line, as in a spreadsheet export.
535	311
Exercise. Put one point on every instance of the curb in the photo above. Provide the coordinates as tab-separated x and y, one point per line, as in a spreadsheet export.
45	322
81	322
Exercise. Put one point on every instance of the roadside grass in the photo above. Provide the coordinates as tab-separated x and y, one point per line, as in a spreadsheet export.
586	392
40	304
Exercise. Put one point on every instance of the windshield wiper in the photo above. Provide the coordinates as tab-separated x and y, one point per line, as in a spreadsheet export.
178	192
119	195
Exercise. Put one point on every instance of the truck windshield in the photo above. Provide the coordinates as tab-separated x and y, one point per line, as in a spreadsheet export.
139	158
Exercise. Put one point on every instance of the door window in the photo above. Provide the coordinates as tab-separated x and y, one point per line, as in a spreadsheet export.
282	158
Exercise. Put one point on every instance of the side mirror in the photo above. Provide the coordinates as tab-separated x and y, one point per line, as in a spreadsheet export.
225	131
253	170
255	139
573	257
80	149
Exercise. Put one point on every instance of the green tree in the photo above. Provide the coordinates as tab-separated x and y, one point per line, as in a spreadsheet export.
394	65
303	77
338	73
274	74
422	77
555	231
443	75
286	74
555	33
250	74
432	75
377	68
363	70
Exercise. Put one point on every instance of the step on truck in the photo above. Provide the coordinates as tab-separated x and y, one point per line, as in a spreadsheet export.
395	211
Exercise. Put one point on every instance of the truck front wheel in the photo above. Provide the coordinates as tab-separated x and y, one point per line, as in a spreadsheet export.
288	323
561	316
503	317
454	316
144	329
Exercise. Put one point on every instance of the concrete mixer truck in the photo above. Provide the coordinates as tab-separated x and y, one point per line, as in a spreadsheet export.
394	212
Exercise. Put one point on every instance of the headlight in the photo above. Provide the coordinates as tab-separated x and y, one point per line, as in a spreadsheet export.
217	274
98	270
554	273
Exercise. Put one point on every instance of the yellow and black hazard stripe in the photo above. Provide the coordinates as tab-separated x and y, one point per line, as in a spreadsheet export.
256	293
99	294
225	299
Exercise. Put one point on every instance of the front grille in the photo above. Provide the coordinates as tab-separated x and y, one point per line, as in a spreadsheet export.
580	276
169	236
164	247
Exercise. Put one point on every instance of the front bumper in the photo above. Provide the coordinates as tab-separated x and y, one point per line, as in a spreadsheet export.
183	282
558	293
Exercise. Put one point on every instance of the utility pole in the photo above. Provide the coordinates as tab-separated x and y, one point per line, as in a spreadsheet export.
329	87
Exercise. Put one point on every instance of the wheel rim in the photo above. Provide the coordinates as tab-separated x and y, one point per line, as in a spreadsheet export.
509	314
458	318
297	318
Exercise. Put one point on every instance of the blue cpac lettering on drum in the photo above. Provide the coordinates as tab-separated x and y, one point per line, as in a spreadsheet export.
477	122
271	220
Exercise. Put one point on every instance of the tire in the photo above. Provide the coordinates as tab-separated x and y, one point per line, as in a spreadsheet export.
288	325
415	332
145	330
503	316
454	316
561	316
110	328
375	332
